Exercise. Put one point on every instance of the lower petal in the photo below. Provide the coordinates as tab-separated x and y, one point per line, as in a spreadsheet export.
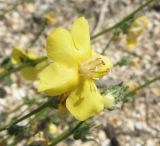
85	101
57	79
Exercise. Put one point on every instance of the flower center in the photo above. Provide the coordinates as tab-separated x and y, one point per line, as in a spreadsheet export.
93	68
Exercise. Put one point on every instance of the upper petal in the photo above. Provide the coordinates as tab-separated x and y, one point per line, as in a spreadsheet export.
85	101
60	46
57	79
81	37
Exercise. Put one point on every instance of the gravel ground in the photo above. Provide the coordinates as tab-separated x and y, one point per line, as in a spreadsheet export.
137	123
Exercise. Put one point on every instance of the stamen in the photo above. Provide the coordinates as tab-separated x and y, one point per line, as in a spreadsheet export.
102	71
93	68
100	59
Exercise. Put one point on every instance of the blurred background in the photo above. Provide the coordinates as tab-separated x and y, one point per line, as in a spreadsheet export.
26	23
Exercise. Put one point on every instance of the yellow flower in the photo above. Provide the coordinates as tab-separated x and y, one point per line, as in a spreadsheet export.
19	57
74	70
136	29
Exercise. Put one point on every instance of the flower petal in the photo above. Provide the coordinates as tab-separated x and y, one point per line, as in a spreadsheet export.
60	46
41	65
57	79
85	101
32	56
18	56
29	73
81	37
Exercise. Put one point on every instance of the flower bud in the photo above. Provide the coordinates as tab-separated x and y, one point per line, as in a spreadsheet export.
109	101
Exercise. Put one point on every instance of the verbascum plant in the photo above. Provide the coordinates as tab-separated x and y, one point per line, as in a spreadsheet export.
19	57
74	69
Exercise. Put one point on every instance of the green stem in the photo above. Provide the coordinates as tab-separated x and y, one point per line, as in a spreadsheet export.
7	73
142	86
123	20
66	133
40	108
